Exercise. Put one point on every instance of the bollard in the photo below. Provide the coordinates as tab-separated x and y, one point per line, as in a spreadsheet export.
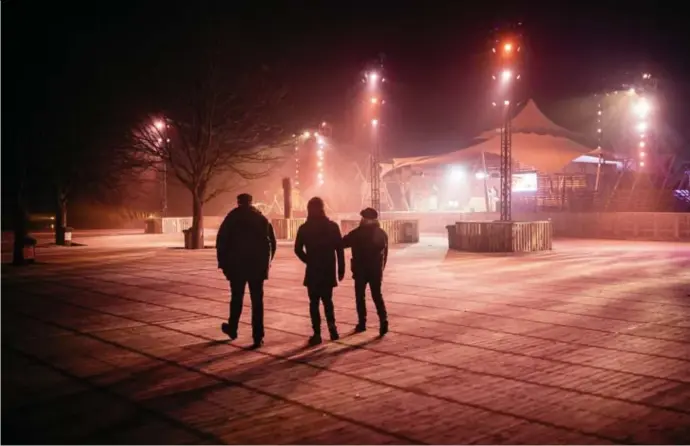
287	198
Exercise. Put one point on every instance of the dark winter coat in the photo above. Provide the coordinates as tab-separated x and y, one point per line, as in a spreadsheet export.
324	245
245	244
369	245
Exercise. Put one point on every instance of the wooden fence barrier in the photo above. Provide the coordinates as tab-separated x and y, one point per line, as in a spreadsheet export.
500	236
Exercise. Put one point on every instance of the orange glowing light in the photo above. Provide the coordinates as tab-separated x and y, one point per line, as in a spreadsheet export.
508	47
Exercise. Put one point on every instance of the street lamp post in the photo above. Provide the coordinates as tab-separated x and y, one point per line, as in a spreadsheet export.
161	126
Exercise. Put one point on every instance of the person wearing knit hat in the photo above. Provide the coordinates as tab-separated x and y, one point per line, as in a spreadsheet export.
369	245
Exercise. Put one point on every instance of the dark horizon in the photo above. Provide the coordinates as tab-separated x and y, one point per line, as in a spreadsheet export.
436	57
82	71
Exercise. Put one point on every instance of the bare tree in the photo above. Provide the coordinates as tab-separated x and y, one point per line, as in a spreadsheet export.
93	169
221	131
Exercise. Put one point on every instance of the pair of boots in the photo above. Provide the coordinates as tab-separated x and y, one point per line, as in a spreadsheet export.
316	337
232	334
383	327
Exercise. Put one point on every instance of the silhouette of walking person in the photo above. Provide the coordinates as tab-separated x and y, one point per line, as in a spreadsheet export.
319	244
245	247
369	245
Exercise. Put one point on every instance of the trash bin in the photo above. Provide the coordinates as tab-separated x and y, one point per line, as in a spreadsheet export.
410	232
187	238
68	236
29	249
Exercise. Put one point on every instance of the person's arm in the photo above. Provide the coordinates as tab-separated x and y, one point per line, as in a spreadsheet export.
339	251
385	248
347	240
299	246
222	242
272	240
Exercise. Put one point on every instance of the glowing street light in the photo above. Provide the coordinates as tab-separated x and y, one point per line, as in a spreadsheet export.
642	108
506	103
506	75
480	175
374	100
456	174
373	77
642	127
375	122
159	124
306	134
508	47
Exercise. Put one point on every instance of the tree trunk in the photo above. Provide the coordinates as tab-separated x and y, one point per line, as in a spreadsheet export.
197	222
60	219
20	234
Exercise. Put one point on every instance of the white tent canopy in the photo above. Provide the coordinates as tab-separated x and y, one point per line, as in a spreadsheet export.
536	142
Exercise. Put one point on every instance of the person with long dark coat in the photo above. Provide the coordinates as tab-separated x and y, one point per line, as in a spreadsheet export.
245	247
319	245
369	245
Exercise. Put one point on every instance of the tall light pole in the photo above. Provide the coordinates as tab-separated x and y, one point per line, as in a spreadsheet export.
373	80
600	140
164	139
642	108
506	51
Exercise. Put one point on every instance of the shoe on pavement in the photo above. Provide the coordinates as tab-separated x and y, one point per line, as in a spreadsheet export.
225	328
360	328
315	340
383	329
257	344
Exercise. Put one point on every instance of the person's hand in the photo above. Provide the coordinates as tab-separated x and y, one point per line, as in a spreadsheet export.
341	275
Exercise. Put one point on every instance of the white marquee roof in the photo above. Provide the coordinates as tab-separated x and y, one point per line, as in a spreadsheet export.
536	141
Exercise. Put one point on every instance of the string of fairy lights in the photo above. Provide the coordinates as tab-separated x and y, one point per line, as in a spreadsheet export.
320	141
642	109
640	96
600	126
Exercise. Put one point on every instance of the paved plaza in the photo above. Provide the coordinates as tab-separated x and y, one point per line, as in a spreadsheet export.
121	343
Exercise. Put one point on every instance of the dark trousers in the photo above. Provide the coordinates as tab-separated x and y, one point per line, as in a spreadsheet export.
256	293
316	296
374	282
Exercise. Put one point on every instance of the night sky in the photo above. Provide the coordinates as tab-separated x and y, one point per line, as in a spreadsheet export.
78	71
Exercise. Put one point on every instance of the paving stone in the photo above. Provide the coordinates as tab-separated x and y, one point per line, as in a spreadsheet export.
588	344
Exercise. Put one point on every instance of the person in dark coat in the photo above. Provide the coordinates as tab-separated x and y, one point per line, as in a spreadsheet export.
369	245
324	257
245	247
